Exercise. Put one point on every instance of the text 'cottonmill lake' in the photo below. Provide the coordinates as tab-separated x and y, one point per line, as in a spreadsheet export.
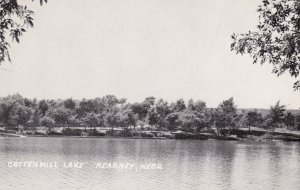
80	165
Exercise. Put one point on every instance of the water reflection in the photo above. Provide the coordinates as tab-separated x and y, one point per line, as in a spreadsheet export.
186	164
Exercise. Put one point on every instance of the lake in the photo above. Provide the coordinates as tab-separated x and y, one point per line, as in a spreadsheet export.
103	163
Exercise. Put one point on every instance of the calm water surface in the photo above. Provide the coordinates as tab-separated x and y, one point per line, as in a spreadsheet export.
185	164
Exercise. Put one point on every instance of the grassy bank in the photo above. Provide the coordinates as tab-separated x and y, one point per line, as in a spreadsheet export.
234	135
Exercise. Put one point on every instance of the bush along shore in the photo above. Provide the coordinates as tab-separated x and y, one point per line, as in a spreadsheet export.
229	135
153	118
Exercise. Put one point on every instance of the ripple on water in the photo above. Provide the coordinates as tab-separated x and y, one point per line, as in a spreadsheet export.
186	164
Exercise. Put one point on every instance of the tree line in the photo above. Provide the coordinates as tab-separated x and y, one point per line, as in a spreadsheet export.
111	112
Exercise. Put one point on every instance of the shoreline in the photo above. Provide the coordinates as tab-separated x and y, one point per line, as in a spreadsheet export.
239	136
211	139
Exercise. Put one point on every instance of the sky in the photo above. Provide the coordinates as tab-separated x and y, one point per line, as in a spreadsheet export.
134	49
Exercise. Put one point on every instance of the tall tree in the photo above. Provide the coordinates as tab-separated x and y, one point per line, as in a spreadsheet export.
253	119
162	109
111	118
196	106
86	106
69	104
276	115
23	114
43	107
126	117
289	120
172	121
140	109
8	112
152	117
225	115
277	39
178	106
297	122
61	116
149	101
48	122
92	120
34	121
191	120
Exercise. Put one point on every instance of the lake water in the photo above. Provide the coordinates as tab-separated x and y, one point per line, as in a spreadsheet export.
177	164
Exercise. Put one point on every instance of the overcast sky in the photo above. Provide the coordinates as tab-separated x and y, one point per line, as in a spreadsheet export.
169	49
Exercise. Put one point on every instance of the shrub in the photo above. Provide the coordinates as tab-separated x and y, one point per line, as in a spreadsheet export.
72	132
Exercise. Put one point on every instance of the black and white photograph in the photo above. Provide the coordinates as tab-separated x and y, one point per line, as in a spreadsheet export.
149	94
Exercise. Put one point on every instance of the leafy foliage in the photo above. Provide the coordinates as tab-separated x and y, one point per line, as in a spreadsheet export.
253	118
225	115
277	39
111	112
14	20
48	122
289	120
276	115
